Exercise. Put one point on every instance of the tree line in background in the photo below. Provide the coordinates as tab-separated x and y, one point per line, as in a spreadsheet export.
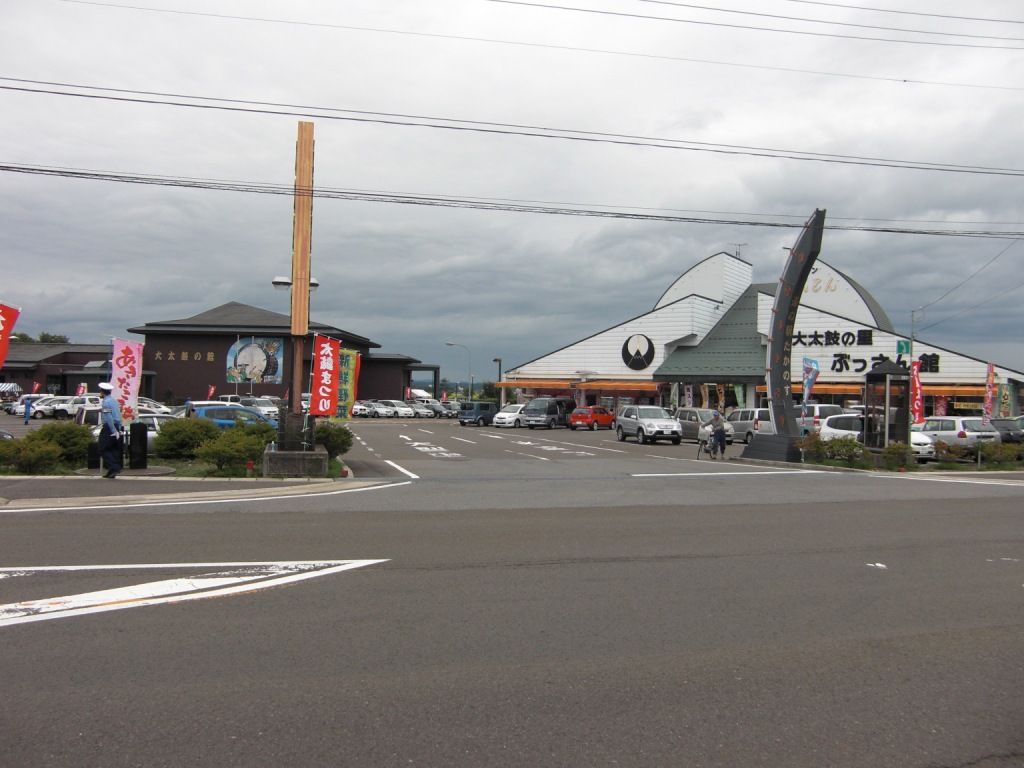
44	338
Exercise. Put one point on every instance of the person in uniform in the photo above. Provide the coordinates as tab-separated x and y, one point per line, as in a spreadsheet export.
110	433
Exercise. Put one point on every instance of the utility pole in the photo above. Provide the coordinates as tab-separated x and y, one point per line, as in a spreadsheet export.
302	236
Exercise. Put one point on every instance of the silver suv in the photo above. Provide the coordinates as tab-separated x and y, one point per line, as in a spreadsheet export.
648	424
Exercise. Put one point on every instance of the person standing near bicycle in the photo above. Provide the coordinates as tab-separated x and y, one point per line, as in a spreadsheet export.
717	442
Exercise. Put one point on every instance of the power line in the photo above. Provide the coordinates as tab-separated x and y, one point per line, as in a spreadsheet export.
906	13
976	306
505	129
447	201
547	46
645	17
832	23
970	276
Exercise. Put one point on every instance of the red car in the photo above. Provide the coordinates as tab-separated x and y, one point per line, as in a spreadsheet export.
591	417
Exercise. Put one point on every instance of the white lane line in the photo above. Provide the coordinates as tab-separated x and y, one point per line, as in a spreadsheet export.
463	440
405	437
518	453
579	445
253	577
190	503
403	470
965	480
722	474
427	431
493	437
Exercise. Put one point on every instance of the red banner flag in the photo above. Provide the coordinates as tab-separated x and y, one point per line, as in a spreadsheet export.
916	398
324	385
8	317
81	389
210	391
35	386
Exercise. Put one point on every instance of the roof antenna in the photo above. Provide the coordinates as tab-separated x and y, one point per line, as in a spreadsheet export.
738	247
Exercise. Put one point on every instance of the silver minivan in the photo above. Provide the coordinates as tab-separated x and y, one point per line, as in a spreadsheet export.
750	422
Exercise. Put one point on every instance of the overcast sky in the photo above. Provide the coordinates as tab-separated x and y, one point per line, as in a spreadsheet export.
90	258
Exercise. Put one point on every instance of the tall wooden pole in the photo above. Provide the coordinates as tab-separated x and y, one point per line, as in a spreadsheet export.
302	237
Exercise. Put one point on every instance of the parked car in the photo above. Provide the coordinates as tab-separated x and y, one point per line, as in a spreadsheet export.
401	409
45	407
747	423
816	412
154	422
691	419
153	405
69	409
548	412
591	417
647	423
18	407
1010	430
226	415
966	431
437	409
477	413
451	409
842	425
420	410
267	407
230	398
509	416
360	408
378	409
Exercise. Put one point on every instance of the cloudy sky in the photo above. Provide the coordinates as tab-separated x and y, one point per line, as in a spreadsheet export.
625	107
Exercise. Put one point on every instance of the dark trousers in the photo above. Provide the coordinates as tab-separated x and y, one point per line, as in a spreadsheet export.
111	450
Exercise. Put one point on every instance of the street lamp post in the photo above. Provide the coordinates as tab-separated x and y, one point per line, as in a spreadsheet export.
469	365
501	389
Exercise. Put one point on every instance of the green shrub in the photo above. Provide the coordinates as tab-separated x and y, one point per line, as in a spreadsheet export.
234	447
1000	453
180	438
8	451
946	452
36	457
845	449
72	439
896	455
813	447
335	438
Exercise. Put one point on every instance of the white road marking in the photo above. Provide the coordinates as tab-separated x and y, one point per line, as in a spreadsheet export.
463	440
750	473
405	437
517	453
189	503
949	479
493	437
403	470
242	577
879	566
581	445
427	431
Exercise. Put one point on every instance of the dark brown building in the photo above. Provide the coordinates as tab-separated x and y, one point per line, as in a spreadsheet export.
240	348
57	368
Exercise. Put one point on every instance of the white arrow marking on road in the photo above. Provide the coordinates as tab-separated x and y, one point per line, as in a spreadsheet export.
405	437
227	579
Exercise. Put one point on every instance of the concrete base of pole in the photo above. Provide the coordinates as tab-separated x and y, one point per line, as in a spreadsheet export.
773	448
280	463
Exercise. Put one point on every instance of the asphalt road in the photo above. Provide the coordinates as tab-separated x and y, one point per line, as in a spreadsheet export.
543	600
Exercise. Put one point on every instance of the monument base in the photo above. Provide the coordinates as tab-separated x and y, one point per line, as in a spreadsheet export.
312	463
773	448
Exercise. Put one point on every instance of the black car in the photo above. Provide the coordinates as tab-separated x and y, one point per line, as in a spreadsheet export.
1010	430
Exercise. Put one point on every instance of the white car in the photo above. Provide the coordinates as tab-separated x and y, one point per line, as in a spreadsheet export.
509	416
359	408
153	405
46	406
852	425
401	410
267	407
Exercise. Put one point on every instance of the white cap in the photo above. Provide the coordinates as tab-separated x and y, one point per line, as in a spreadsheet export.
106	386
